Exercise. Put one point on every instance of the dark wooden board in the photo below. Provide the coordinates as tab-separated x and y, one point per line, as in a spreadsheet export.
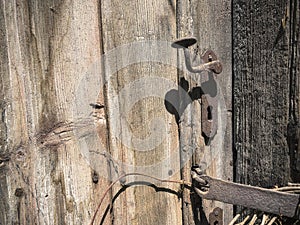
266	91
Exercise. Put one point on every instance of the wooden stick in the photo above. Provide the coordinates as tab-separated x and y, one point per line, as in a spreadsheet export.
253	220
234	219
264	219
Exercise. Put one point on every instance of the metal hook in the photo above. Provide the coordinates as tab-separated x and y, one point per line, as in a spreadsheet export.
210	59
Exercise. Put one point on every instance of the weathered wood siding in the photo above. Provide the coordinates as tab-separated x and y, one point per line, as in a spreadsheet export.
46	47
143	135
266	91
210	23
58	154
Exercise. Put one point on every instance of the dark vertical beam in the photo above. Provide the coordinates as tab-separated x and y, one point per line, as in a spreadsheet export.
263	69
294	107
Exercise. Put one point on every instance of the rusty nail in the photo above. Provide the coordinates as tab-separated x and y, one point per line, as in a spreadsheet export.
95	178
216	217
216	212
97	105
184	42
19	192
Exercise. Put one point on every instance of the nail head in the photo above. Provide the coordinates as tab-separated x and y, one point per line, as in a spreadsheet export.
184	42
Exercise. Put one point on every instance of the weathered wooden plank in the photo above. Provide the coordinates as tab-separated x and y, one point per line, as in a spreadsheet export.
261	92
189	143
210	23
214	32
293	30
266	89
143	136
46	51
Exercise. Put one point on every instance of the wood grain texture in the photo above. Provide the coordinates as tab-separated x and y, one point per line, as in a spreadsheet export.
214	32
46	49
189	122
266	89
264	78
266	86
210	23
58	153
293	31
143	135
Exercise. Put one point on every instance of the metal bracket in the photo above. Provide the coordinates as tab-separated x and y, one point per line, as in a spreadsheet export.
216	217
266	200
209	102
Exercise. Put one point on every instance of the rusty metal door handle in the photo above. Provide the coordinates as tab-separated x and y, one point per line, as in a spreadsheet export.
209	101
263	199
211	63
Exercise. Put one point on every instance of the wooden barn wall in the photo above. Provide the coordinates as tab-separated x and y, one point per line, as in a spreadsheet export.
82	102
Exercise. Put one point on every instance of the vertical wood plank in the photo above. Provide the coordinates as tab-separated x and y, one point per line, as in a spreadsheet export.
292	30
187	111
47	51
266	61
214	32
210	23
261	87
143	136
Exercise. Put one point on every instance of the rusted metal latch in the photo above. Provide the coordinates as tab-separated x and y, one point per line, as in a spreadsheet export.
209	58
209	102
266	200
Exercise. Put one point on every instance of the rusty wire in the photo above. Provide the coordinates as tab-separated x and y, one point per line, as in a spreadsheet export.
265	218
182	182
